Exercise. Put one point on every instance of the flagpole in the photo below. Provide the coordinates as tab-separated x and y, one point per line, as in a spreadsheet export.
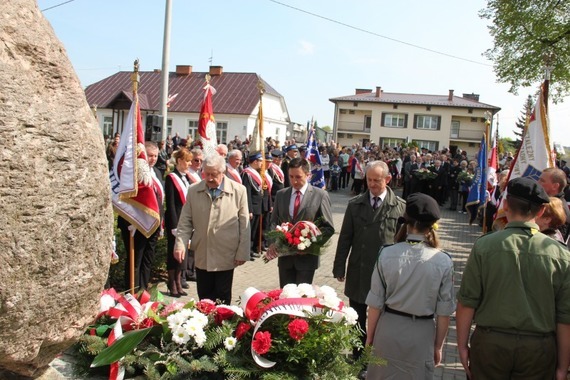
261	89
165	73
135	79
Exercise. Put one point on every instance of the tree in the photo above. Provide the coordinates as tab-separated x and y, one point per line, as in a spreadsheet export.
506	144
528	36
521	122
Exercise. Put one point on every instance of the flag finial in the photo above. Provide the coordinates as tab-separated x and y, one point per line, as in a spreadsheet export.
135	78
260	87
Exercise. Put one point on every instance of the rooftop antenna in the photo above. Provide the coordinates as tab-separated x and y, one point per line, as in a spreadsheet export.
211	57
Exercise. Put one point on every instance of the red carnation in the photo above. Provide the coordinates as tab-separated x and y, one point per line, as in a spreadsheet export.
297	233
262	342
288	235
241	329
223	313
275	294
206	306
296	241
298	328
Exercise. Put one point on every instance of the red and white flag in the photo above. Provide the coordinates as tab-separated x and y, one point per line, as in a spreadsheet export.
535	152
207	123
492	166
132	191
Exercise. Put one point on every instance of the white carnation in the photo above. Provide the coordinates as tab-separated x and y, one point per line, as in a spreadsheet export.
290	291
301	247
350	315
106	303
306	290
305	232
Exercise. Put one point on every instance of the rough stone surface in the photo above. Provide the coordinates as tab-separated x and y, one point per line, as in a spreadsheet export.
55	209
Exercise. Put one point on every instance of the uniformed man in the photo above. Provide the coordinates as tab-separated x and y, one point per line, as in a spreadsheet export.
275	172
516	288
258	200
291	152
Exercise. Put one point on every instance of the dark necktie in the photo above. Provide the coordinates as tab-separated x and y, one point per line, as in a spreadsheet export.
296	204
213	193
376	203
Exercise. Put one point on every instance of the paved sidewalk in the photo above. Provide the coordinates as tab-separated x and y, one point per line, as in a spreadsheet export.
456	236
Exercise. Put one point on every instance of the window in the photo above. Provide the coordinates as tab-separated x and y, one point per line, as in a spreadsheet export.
393	143
222	132
351	112
430	145
395	106
169	127
470	110
428	108
394	120
355	104
107	126
427	122
342	111
474	119
367	123
193	128
454	129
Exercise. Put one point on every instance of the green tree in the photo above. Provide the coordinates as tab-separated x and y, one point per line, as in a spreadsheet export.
506	144
521	122
528	36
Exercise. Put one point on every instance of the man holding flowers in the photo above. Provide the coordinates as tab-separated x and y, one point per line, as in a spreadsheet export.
300	202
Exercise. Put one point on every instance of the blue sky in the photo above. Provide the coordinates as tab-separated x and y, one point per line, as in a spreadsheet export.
306	58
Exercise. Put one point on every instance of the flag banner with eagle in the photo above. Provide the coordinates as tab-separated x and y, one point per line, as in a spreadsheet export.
312	155
132	191
535	152
207	123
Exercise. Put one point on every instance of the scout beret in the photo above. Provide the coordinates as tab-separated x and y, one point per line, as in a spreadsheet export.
422	207
291	147
527	189
255	156
276	153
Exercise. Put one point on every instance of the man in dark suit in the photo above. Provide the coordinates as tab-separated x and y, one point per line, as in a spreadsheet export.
300	202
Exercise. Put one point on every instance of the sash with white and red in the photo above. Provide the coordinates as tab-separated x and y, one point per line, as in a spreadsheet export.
180	186
233	174
278	172
194	176
256	177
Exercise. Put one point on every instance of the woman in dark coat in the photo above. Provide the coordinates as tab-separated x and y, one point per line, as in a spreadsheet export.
175	189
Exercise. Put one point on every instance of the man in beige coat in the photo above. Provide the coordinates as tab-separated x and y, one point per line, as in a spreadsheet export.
216	219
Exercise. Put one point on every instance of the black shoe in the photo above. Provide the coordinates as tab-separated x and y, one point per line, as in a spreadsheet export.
185	285
183	293
191	278
174	295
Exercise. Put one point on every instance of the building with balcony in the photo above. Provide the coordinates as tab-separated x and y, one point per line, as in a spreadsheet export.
236	102
431	121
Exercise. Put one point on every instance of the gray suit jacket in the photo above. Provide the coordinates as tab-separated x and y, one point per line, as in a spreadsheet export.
316	204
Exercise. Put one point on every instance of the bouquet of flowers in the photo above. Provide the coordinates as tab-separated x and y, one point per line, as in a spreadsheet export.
465	177
301	238
300	332
424	174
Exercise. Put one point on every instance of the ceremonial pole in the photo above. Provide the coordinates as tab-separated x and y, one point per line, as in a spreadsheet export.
261	89
135	78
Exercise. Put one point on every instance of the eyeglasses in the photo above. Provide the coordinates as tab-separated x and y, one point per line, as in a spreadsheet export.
197	160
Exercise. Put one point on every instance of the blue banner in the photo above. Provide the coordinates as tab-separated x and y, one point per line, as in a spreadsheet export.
312	155
478	190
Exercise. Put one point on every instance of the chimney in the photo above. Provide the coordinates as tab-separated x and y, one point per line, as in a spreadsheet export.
183	70
472	96
450	97
363	91
157	70
378	91
216	70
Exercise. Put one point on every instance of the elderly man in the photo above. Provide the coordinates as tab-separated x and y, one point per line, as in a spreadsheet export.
515	287
216	219
370	221
195	169
233	169
553	180
222	150
300	202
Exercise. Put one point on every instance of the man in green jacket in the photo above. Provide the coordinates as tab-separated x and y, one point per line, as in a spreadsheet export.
516	288
370	221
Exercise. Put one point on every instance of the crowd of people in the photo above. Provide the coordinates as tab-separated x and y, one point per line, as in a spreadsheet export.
516	284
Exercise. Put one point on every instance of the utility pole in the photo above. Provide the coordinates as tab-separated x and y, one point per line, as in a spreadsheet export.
164	72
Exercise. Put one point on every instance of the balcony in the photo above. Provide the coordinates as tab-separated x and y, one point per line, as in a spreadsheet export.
353	126
474	134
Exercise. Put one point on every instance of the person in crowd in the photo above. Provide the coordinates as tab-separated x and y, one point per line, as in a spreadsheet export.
335	175
515	289
275	173
216	219
291	151
494	199
300	202
176	140
162	159
222	150
233	167
358	170
454	171
553	180
195	170
259	201
112	149
176	188
343	162
325	164
412	284
439	183
410	180
144	247
553	217
370	221
464	186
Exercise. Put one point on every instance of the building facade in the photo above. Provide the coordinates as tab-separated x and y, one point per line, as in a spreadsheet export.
236	102
391	119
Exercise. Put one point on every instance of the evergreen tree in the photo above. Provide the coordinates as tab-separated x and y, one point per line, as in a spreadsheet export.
521	122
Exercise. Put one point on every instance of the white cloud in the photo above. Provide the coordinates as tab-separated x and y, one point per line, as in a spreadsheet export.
306	48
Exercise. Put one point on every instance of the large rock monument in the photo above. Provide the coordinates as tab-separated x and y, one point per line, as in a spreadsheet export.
55	209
